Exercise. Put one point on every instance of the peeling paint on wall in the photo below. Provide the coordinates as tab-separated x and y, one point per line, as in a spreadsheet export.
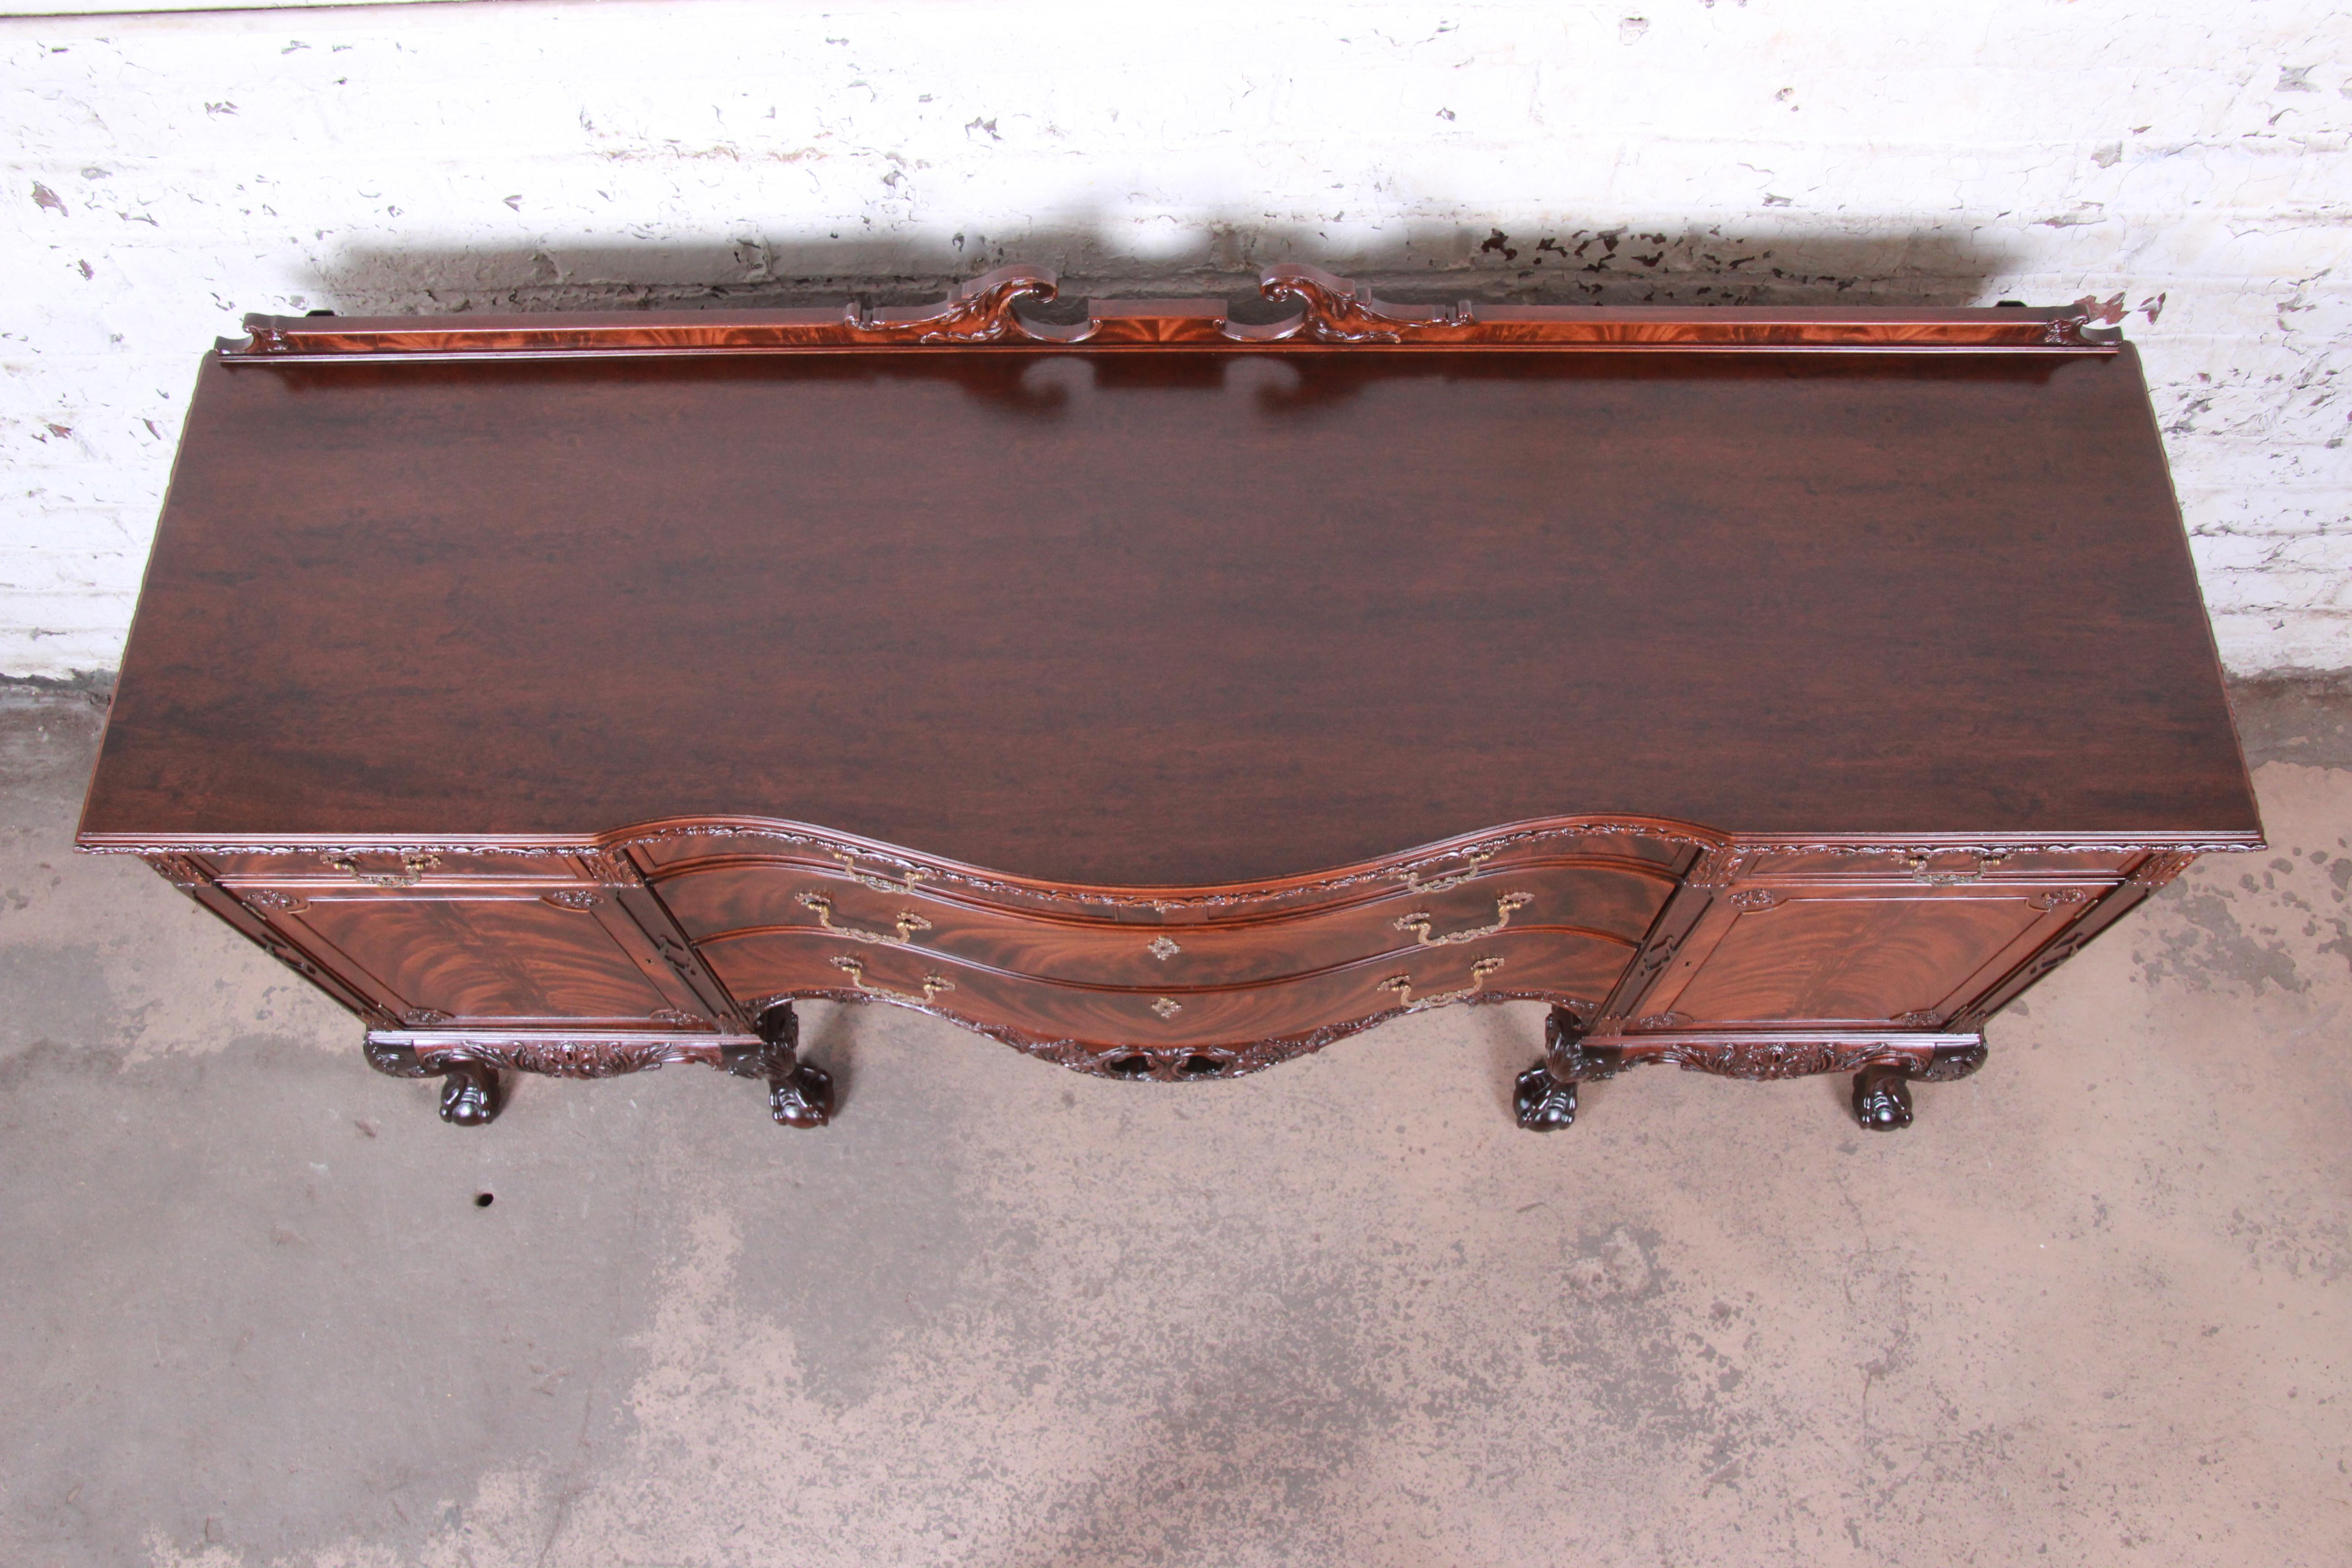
176	172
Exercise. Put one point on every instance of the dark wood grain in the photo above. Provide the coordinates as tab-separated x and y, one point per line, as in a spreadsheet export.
1174	619
1167	695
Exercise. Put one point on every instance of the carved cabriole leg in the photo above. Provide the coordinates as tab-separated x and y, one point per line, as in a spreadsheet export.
1546	1100
798	1094
472	1094
1882	1093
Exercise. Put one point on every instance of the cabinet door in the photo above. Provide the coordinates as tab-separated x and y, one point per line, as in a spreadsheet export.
486	956
1900	954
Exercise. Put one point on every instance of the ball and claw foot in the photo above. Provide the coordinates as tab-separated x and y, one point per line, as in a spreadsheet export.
472	1094
1882	1097
798	1094
1546	1099
803	1099
1545	1104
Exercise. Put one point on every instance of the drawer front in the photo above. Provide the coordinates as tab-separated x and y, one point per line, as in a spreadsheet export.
723	905
1942	867
670	855
407	868
1550	966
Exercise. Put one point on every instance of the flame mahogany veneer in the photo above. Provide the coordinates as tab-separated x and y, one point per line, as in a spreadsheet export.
1767	691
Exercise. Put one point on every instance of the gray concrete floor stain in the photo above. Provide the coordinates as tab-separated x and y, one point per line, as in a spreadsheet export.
1343	1313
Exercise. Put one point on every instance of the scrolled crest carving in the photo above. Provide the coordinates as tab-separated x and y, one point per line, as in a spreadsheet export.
981	311
1332	310
1335	310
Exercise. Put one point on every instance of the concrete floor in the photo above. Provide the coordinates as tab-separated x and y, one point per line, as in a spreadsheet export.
2093	1307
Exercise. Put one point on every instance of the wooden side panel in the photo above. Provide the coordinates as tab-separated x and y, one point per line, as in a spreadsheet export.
569	957
1906	955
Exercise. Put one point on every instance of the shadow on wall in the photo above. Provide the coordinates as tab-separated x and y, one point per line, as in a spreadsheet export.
1613	265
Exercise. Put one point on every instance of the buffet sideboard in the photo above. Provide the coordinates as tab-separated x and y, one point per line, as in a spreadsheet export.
1167	690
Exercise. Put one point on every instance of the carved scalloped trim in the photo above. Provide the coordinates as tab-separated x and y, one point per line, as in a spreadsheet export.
1094	1059
1935	1057
554	1055
1724	857
1864	843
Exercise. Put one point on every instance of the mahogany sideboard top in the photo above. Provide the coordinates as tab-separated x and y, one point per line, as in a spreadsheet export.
1163	609
1167	695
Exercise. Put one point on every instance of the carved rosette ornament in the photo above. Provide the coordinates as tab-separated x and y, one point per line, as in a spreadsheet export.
2158	870
564	1059
1763	1061
1720	866
177	869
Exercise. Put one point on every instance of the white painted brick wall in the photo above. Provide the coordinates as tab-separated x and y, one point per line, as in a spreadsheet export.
166	174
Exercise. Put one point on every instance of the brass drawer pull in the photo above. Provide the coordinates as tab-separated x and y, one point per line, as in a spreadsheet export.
414	867
932	983
1419	924
1402	985
880	884
908	922
1413	884
1917	866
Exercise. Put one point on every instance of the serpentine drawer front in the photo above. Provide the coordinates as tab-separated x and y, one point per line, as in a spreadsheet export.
729	905
1166	695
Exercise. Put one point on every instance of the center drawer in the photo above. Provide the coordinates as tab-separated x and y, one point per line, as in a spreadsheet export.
728	901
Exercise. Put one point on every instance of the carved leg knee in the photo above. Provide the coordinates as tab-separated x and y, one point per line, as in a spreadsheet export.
1882	1097
472	1094
798	1094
